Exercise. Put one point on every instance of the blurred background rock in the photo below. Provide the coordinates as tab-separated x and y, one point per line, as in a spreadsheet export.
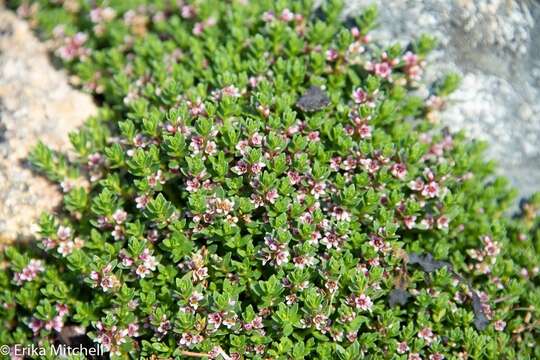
36	103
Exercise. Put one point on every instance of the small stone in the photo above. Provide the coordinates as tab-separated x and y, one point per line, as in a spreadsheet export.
427	262
313	100
480	319
398	297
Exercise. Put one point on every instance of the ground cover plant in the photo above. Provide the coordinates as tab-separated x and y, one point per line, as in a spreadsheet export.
262	182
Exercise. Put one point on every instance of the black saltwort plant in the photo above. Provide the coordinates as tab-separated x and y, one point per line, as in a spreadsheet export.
262	182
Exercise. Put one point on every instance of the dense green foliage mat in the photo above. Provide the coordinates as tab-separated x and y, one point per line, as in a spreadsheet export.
263	182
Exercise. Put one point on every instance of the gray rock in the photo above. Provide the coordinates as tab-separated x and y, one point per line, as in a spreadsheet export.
495	46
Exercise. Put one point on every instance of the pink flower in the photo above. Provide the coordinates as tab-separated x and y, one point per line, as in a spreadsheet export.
372	166
110	338
198	28
410	58
257	323
73	48
363	302
65	248
383	69
109	282
118	232
302	261
351	336
63	232
56	323
139	140
427	335
321	322
200	273
257	167
142	271
378	243
355	32
197	143
215	319
313	136
347	164
119	216
287	15
193	185
98	15
149	263
272	196
35	325
215	352
223	206
291	299
331	55
256	139
164	326
431	190
257	200
355	48
62	309
436	356
340	214
240	168
442	222
268	16
491	247
189	340
94	275
231	91
359	96
416	185
294	177
194	299
29	272
399	170
414	72
402	347
188	11
364	131
409	221
414	356
155	179
499	325
133	330
282	257
413	68
141	201
318	189
332	286
331	240
196	107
